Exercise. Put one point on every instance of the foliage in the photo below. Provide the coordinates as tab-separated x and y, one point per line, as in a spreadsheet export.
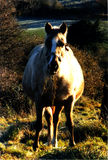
8	27
58	8
12	54
26	7
12	67
84	33
32	7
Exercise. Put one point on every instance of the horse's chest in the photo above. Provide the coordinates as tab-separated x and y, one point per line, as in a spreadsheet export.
62	90
55	90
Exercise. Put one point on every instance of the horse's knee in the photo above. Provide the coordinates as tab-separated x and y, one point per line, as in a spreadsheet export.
38	125
38	128
48	115
69	123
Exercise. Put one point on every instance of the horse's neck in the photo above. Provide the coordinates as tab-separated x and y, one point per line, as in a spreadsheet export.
45	51
43	54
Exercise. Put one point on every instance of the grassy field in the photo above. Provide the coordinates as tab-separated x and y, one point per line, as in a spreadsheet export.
90	135
40	33
17	128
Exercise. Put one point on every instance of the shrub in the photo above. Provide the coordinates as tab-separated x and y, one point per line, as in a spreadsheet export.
11	53
8	27
84	33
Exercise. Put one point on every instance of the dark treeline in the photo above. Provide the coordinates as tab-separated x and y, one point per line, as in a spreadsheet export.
35	8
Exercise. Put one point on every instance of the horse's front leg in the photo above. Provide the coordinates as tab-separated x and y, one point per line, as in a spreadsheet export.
49	118
38	125
69	118
56	118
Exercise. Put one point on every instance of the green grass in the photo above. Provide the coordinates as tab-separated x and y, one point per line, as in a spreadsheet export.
39	33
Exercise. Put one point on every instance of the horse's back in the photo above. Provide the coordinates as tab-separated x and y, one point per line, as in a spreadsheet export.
29	77
36	50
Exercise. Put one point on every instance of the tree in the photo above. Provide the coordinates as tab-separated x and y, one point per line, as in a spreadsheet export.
8	26
102	2
104	106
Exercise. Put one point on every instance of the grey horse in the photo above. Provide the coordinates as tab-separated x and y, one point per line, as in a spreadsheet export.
54	80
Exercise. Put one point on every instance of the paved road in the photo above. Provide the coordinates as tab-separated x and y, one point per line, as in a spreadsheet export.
30	23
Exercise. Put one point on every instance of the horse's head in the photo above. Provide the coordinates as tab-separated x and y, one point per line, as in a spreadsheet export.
55	44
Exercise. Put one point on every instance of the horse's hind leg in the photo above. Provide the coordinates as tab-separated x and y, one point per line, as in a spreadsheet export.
49	118
69	118
38	126
56	118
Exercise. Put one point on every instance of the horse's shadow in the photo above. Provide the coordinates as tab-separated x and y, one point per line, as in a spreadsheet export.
68	153
28	128
81	132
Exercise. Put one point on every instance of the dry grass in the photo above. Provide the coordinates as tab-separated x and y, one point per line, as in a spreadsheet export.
90	135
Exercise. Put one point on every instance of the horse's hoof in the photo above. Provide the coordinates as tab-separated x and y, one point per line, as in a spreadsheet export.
72	144
50	146
35	148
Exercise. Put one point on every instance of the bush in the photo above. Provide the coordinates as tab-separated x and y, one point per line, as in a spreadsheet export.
11	53
8	27
84	33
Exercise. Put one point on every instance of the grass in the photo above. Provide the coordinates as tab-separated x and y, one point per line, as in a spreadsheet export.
40	33
17	130
90	135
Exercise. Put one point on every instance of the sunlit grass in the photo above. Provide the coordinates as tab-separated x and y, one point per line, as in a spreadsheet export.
40	33
90	136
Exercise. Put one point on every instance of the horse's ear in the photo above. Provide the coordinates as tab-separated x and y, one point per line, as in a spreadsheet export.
48	27
63	28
